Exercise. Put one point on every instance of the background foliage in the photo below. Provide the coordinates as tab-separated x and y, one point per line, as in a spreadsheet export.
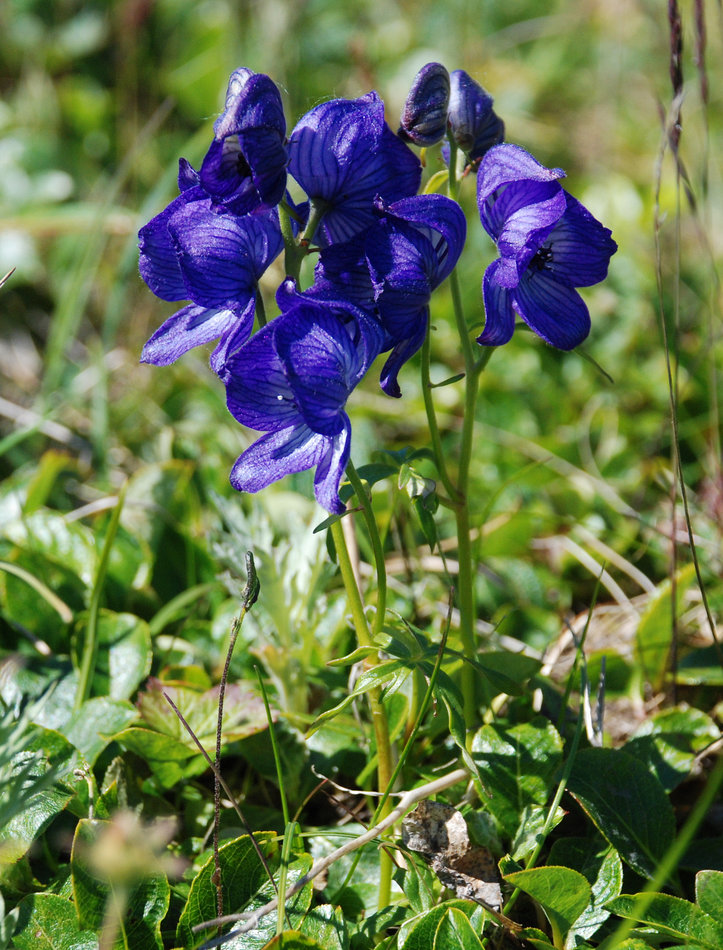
572	472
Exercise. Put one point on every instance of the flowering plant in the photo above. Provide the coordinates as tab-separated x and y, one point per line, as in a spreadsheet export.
382	249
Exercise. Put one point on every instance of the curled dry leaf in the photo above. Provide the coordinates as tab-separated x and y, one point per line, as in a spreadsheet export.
439	833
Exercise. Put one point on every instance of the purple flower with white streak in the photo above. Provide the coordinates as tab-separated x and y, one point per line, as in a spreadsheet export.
245	166
190	252
548	243
344	155
292	381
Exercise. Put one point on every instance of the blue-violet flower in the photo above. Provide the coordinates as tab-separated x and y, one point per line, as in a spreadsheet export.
549	244
245	166
343	154
190	252
291	381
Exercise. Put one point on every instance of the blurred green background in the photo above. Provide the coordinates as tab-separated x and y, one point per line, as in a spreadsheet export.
99	100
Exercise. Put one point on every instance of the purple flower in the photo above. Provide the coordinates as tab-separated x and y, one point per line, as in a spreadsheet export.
549	244
473	122
245	166
291	381
343	154
424	117
410	251
189	252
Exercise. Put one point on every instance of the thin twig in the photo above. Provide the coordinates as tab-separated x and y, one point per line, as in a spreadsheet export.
224	786
250	594
408	800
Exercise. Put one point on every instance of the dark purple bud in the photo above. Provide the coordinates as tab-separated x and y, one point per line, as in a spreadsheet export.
424	117
474	124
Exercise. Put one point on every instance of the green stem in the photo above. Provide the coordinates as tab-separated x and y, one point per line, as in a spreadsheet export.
432	418
379	719
293	253
89	653
381	569
465	577
260	309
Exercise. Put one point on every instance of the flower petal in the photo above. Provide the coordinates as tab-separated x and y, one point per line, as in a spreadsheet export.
343	154
508	163
258	394
424	117
234	337
158	261
330	469
293	449
189	327
554	311
222	256
472	120
401	352
581	247
442	222
499	316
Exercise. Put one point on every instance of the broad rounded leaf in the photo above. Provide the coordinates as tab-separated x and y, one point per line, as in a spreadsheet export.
562	893
709	893
49	922
627	803
672	916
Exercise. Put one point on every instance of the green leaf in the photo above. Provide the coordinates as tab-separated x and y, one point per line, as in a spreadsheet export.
170	760
145	905
455	932
242	874
672	916
124	654
26	782
627	804
562	893
709	893
326	925
518	765
441	928
49	922
244	712
601	866
508	672
95	724
654	632
669	742
529	834
288	940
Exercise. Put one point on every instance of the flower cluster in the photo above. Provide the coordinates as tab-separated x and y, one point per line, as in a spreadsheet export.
382	250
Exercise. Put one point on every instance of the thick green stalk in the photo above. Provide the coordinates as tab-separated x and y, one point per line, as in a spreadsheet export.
465	577
293	253
379	719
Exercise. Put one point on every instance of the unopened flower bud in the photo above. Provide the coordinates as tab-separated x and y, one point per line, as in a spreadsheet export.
424	117
475	125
